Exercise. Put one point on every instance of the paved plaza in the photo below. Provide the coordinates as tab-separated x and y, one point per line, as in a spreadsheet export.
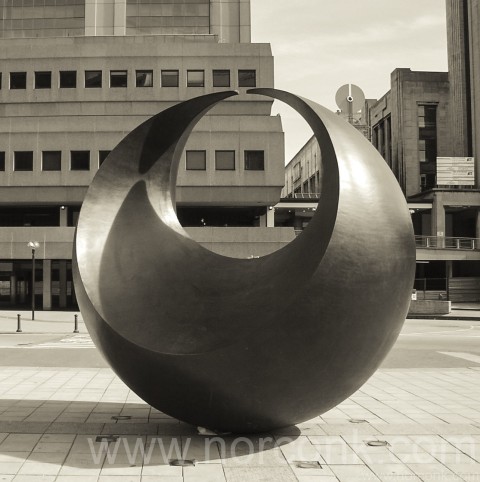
83	424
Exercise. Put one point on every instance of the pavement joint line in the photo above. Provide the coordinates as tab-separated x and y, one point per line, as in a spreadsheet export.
464	356
438	332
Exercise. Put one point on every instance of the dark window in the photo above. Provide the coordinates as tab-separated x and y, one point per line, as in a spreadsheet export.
196	160
102	155
225	160
29	216
169	78
195	78
18	80
51	161
247	78
43	80
68	79
2	161
221	78
254	161
144	78
80	160
93	78
0	80
427	145
23	161
118	78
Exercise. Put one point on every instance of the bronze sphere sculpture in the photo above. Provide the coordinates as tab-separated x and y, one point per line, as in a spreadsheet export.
243	345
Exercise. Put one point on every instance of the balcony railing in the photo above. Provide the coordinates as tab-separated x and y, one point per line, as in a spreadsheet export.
306	195
441	242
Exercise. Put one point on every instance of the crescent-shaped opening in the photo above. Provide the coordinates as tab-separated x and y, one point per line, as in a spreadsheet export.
139	266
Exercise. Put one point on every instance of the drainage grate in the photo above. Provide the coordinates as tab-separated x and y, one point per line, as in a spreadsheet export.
121	417
357	420
377	443
307	464
106	438
182	462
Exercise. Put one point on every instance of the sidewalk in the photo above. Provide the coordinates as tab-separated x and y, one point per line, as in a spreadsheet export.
47	322
52	322
460	311
85	425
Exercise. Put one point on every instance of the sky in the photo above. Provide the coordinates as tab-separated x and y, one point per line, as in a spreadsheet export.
320	45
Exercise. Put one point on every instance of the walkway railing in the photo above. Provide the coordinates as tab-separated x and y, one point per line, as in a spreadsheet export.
441	242
306	195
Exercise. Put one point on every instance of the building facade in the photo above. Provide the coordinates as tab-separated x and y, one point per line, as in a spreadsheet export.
95	71
426	128
411	128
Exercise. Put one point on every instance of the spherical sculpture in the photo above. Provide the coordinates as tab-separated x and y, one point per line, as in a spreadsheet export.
243	345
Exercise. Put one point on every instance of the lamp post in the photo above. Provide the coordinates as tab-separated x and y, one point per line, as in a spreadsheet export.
34	245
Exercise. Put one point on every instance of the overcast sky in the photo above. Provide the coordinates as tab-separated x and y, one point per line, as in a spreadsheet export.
320	45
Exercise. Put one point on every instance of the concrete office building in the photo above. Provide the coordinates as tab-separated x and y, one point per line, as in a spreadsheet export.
427	129
411	129
94	71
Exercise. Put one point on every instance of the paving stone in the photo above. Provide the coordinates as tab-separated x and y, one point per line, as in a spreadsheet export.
75	428
353	473
257	474
23	427
210	472
149	478
125	428
34	478
390	469
10	467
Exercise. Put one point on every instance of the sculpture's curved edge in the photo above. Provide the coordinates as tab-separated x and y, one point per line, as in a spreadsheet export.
208	368
264	277
117	173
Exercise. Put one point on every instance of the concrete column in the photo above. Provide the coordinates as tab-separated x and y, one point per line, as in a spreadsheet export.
90	17
457	74
22	295
63	283
474	41
47	284
228	20
297	223
381	139
63	216
438	218
13	288
270	217
387	140
120	18
105	17
448	275
245	22
477	227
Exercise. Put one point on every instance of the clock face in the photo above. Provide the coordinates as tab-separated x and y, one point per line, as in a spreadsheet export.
350	96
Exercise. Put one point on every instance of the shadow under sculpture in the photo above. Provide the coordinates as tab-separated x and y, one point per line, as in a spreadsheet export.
243	345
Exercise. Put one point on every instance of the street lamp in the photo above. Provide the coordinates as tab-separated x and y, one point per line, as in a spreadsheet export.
34	245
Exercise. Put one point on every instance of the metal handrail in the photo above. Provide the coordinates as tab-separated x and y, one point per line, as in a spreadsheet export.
442	242
306	195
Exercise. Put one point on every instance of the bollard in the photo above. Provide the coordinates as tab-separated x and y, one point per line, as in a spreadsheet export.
75	330
19	324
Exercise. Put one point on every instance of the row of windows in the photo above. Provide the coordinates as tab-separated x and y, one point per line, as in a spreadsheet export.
80	160
225	160
67	79
52	160
18	4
